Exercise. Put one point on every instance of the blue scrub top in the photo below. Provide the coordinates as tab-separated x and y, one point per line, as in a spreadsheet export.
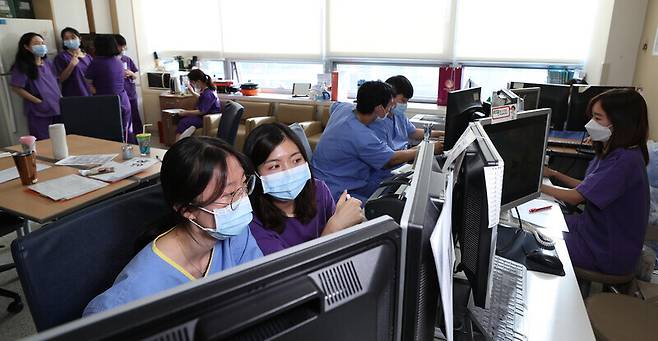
349	155
395	130
151	271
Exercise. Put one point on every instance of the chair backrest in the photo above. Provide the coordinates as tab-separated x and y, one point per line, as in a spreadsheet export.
228	125
93	116
299	131
255	109
291	113
324	117
67	263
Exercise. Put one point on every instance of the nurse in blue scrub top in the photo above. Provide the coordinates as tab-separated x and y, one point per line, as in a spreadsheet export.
205	182
397	130
349	155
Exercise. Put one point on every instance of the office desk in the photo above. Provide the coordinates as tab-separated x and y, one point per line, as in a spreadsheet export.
83	145
21	201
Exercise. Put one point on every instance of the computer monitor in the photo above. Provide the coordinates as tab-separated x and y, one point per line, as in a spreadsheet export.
522	145
339	287
419	296
552	96
581	95
530	97
470	215
464	106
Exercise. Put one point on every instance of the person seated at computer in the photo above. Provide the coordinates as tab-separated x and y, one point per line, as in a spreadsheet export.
607	237
396	129
349	155
202	87
207	183
291	207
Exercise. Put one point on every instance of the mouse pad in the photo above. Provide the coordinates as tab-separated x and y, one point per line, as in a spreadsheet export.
520	246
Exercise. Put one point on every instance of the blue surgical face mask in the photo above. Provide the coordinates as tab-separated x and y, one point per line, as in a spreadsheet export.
72	43
39	50
229	222
286	185
399	109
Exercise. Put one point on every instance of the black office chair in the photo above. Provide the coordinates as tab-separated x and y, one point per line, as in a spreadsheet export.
228	124
10	223
93	116
67	263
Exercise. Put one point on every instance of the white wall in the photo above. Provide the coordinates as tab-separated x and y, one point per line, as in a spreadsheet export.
615	42
102	16
69	13
647	68
624	42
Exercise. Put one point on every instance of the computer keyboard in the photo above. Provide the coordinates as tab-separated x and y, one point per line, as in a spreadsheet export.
505	317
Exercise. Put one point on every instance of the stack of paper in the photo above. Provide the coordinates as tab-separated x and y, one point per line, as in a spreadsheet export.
86	160
12	173
67	187
125	169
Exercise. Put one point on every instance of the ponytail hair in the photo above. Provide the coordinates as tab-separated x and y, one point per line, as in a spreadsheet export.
198	75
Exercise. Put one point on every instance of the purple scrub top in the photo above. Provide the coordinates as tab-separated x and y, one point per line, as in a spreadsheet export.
45	87
295	232
208	102
75	85
129	83
608	236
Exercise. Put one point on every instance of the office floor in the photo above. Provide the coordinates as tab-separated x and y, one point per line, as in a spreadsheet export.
12	326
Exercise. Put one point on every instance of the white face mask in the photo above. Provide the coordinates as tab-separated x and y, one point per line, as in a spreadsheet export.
597	131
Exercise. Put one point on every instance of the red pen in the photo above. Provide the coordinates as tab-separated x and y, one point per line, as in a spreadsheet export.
537	209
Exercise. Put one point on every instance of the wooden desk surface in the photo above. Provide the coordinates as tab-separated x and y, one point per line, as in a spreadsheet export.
18	199
83	145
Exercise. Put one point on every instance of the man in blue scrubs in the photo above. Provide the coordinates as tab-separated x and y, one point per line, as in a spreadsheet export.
349	155
396	130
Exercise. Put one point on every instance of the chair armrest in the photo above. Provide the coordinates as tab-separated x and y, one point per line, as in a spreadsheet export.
311	127
251	123
210	124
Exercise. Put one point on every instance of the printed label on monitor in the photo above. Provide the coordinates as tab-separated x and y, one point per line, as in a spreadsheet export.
502	113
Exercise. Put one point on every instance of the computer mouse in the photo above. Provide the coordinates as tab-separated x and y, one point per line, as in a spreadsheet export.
545	258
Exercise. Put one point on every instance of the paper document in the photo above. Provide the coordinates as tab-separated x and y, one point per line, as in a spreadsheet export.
493	177
444	255
460	146
173	111
12	173
550	219
67	187
125	169
86	160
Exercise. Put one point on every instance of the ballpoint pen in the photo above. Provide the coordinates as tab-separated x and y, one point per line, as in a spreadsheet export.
537	209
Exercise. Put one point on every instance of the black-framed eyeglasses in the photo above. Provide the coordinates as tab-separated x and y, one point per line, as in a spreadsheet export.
233	199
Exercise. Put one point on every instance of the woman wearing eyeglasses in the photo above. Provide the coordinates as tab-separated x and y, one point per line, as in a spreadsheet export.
291	207
205	182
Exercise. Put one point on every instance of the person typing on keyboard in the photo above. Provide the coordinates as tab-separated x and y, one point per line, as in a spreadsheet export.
607	237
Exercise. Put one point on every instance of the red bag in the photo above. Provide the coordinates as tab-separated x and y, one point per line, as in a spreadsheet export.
450	79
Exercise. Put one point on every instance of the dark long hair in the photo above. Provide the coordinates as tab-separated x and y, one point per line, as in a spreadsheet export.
24	60
627	111
106	46
258	146
75	33
198	75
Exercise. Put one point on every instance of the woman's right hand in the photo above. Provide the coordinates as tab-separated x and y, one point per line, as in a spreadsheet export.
549	173
74	60
348	213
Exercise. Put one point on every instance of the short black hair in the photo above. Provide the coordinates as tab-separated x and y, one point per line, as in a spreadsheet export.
257	147
401	86
106	46
121	41
372	94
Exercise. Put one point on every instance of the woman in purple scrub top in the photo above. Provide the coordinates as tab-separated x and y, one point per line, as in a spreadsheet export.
290	206
608	236
202	87
106	74
71	65
130	74
33	78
